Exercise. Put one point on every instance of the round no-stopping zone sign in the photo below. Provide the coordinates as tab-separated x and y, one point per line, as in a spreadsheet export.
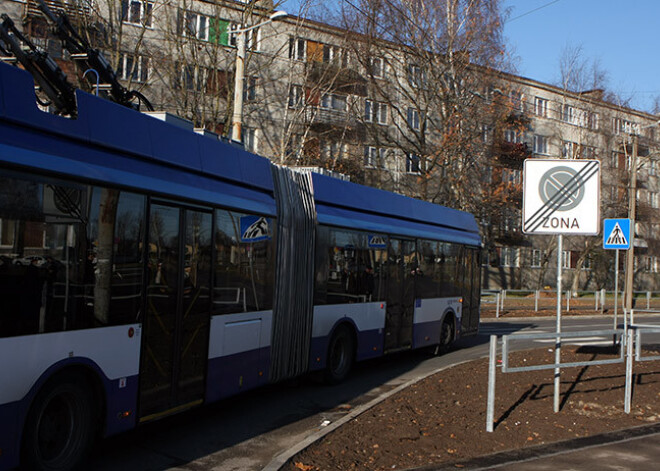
561	196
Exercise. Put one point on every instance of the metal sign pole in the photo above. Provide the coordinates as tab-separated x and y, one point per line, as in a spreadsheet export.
558	340
616	287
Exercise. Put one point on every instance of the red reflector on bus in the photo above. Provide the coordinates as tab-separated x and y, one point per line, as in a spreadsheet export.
131	332
382	305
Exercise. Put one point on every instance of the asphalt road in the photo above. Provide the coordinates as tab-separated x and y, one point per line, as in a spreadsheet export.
248	431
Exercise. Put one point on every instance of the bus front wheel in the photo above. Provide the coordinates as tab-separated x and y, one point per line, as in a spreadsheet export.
60	427
340	355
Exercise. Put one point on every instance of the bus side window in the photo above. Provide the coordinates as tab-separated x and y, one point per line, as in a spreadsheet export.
245	262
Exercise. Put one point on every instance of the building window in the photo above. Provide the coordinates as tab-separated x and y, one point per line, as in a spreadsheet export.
375	112
377	67
511	175
416	76
540	144
374	157
137	12
516	97
250	90
413	163
486	133
296	96
624	126
536	258
131	67
653	167
652	264
509	257
297	49
568	114
593	121
332	101
513	136
193	25
541	107
588	152
250	139
333	150
335	55
189	77
653	199
566	259
413	119
567	149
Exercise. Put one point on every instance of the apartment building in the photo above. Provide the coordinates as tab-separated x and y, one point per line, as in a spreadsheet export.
316	95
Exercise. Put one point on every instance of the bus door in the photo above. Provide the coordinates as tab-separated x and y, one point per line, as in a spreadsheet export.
177	316
470	291
401	265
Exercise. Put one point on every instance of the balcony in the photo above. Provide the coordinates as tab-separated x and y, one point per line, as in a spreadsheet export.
329	117
339	79
74	9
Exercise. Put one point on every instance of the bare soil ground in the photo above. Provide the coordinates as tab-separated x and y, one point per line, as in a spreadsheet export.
442	419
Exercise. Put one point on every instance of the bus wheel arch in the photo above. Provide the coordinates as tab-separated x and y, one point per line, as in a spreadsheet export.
64	419
341	353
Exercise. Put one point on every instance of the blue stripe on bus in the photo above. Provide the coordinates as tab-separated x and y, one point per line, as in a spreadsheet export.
426	333
140	175
232	374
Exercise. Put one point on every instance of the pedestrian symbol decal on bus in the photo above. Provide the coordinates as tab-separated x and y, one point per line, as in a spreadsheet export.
377	242
254	229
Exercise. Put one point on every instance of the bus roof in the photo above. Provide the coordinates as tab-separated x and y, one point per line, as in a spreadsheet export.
106	124
348	204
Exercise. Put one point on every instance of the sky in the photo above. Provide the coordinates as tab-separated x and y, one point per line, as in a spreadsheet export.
622	35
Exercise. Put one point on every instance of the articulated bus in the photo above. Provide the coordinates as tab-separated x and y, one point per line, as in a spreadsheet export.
146	269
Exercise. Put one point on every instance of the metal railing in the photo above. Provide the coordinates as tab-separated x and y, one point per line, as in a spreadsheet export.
628	339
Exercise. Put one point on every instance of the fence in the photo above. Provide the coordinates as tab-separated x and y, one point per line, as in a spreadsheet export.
498	302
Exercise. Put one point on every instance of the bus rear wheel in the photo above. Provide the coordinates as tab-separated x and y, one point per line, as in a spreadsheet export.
60	427
446	334
340	355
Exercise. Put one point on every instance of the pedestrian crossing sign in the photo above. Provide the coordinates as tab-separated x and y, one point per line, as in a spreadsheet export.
616	233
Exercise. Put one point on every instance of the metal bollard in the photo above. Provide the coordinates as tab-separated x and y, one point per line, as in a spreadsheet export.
595	300
536	301
490	413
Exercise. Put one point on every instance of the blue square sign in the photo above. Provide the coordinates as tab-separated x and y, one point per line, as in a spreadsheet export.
616	233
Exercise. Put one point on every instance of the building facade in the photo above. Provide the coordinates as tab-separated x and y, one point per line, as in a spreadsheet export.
430	126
